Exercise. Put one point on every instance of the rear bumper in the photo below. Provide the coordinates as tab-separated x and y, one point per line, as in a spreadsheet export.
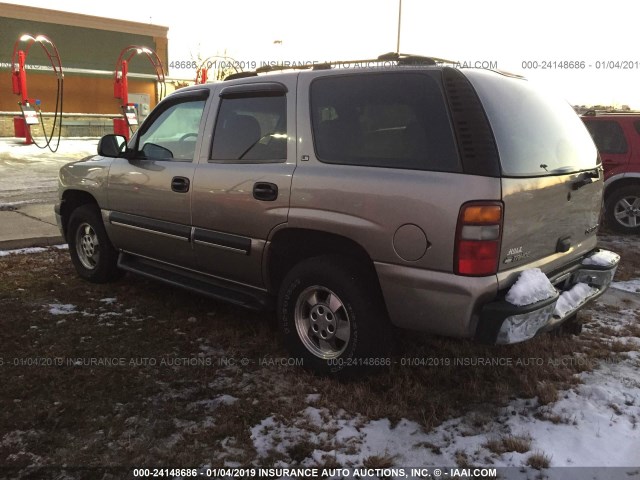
503	323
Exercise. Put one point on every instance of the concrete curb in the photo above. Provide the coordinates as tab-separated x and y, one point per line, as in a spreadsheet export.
31	242
32	225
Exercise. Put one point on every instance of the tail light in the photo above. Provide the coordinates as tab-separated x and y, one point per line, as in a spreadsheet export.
478	236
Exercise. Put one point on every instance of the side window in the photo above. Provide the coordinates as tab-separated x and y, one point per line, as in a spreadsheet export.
173	135
383	120
252	129
608	136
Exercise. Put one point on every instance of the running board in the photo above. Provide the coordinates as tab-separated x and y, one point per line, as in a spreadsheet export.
196	282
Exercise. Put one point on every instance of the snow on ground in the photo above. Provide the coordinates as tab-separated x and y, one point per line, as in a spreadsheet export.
632	285
42	166
27	251
22	251
595	424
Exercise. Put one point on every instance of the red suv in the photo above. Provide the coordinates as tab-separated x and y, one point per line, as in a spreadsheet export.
617	137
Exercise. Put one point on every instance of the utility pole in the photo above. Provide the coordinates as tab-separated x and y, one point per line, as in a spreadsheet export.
399	21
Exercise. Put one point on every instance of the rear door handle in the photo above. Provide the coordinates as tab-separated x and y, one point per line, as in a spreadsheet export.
180	184
267	192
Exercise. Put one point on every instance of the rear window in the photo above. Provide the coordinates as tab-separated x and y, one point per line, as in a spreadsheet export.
395	120
608	136
537	133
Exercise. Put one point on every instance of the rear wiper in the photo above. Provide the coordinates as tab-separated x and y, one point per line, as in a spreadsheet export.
561	170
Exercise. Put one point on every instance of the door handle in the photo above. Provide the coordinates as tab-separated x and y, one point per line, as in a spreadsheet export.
264	191
180	184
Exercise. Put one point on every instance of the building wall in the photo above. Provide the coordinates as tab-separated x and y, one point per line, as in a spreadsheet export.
83	42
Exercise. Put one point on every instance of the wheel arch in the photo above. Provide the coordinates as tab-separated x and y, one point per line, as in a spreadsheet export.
72	199
290	246
620	183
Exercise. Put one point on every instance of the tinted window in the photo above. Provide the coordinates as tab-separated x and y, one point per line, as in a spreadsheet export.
251	129
173	135
383	120
537	133
608	136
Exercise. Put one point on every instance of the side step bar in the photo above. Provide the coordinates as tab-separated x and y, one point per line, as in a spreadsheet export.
200	283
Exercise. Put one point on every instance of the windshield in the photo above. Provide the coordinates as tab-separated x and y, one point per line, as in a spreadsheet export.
537	133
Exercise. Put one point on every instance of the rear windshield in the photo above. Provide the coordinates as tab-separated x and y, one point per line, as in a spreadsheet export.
537	133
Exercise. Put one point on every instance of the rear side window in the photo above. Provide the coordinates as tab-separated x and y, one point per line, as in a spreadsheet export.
383	120
608	136
252	129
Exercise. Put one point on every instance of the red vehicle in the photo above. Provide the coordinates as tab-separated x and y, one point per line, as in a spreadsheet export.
617	137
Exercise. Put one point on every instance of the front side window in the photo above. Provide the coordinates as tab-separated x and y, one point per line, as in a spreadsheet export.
251	129
383	120
608	136
173	134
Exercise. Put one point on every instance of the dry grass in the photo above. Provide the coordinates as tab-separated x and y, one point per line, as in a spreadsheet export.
509	443
539	461
142	414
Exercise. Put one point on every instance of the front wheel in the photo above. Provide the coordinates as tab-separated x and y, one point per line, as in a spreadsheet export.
91	251
332	316
622	209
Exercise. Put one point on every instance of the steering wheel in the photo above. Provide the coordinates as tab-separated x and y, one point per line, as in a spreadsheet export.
187	135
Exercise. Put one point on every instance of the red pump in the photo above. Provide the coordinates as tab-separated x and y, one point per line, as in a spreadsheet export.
123	126
31	112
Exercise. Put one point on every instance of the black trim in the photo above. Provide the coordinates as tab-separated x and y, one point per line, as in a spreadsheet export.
245	296
476	143
218	239
151	224
256	89
495	313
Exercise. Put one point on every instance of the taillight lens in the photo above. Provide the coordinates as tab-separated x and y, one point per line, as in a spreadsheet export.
478	236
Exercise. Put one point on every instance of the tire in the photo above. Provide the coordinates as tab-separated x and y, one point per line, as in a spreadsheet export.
331	315
622	209
91	251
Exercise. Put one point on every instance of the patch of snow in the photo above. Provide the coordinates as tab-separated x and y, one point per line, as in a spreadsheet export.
62	309
632	285
602	258
22	251
313	397
213	403
109	301
532	286
573	298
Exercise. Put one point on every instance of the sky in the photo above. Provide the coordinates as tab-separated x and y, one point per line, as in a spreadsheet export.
534	39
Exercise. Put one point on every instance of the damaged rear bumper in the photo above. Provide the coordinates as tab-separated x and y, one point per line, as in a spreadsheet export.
504	323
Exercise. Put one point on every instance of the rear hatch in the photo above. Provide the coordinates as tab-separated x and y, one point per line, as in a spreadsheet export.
551	177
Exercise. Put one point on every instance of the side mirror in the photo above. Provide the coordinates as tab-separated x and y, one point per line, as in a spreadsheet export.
112	145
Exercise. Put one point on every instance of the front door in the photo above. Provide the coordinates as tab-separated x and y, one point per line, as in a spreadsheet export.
150	194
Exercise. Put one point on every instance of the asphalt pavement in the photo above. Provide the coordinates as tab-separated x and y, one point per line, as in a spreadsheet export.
28	190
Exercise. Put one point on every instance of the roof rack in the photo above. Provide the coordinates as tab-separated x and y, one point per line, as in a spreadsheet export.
399	58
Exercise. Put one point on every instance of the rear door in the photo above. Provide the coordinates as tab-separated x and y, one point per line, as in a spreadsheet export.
551	179
243	180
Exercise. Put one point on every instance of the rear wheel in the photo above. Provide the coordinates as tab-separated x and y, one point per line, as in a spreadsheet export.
91	251
332	318
622	209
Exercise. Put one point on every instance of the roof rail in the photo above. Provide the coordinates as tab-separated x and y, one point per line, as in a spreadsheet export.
399	58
